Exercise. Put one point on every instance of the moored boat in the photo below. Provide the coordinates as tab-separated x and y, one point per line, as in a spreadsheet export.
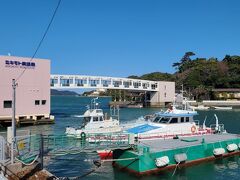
161	155
199	107
95	122
223	107
173	122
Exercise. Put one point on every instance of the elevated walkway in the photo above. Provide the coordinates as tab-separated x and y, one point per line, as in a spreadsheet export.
79	81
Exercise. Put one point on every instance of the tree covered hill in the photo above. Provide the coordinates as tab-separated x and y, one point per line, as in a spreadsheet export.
200	75
155	76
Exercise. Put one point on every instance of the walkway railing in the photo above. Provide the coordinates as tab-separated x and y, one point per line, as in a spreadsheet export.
62	144
79	81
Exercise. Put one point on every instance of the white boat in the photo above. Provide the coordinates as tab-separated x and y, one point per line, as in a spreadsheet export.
223	107
163	125
173	122
199	107
94	122
135	106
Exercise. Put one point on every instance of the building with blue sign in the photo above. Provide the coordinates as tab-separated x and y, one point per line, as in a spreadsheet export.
32	92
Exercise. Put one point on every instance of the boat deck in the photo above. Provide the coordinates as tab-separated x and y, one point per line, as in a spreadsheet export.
168	144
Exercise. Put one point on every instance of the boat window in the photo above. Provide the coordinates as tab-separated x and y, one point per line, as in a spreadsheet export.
164	120
174	120
99	111
100	118
187	119
157	119
95	119
182	119
86	119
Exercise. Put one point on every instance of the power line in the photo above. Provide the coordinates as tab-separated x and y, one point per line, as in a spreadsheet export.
43	37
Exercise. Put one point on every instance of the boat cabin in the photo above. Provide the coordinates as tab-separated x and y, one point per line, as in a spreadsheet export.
93	115
173	118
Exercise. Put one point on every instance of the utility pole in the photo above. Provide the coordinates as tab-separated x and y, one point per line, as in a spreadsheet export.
13	119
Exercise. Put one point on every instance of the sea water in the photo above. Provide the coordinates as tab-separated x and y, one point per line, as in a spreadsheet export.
67	110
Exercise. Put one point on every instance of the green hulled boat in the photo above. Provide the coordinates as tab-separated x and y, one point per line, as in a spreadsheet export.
159	154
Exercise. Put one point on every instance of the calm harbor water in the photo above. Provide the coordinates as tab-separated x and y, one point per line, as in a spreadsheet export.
67	110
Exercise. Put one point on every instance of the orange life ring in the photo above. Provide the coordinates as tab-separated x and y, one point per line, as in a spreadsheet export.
193	129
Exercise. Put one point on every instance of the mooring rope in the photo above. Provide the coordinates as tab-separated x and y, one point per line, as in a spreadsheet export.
179	163
111	160
175	168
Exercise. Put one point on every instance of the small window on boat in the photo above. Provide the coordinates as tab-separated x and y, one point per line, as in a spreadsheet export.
86	119
182	119
164	120
156	119
99	111
100	118
95	119
187	119
174	120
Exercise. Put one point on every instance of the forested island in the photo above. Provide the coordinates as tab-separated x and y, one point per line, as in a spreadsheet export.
200	76
55	92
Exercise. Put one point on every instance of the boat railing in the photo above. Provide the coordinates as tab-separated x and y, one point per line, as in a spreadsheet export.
217	128
84	143
114	112
169	134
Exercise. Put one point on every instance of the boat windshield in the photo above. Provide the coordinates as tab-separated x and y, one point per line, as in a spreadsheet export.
86	120
164	120
160	119
157	119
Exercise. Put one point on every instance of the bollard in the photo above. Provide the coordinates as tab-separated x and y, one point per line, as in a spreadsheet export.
83	138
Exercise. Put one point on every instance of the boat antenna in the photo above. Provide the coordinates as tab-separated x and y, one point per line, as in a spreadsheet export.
93	103
217	124
204	123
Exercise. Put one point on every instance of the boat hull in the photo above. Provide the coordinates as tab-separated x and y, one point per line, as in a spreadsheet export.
105	154
143	160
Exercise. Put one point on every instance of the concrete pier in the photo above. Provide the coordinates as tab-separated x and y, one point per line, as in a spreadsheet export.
210	103
27	120
17	171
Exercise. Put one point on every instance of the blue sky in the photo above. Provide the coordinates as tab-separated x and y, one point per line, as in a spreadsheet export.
119	37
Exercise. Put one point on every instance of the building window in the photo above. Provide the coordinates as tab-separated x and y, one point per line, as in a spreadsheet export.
37	102
44	102
7	104
187	119
165	94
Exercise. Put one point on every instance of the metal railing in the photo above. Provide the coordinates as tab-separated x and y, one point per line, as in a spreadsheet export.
218	129
62	144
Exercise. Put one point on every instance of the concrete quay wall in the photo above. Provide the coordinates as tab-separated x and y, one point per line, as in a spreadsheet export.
215	103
